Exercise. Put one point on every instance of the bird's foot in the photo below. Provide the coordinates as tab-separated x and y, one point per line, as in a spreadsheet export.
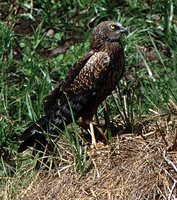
98	146
93	146
106	141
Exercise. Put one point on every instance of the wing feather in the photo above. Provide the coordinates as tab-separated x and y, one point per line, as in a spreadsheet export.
80	85
75	70
51	101
96	65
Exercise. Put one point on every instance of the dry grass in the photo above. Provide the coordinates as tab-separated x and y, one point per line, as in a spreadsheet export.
133	167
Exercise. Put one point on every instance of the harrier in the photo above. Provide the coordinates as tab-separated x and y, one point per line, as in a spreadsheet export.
88	83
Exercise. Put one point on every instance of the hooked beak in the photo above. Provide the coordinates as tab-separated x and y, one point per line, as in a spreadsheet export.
124	30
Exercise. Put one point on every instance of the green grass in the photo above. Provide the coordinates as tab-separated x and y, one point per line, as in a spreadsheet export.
26	76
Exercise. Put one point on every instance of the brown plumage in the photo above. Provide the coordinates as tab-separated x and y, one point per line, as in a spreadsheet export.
92	78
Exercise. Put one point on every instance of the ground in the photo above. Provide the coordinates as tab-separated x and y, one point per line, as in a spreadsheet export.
132	167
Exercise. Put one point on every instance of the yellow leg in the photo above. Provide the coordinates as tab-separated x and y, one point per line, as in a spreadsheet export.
92	134
106	141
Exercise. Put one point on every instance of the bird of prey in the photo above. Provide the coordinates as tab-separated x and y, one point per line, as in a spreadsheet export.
88	83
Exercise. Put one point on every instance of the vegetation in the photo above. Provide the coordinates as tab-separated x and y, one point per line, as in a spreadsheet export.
40	40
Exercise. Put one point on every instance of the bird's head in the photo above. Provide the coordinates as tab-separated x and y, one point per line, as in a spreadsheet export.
108	31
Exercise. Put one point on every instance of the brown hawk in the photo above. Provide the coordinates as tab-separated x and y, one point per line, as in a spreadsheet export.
91	79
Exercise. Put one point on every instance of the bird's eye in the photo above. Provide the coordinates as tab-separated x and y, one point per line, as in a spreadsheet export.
113	27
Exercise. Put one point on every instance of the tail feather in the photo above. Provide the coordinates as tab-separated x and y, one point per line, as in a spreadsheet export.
34	134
